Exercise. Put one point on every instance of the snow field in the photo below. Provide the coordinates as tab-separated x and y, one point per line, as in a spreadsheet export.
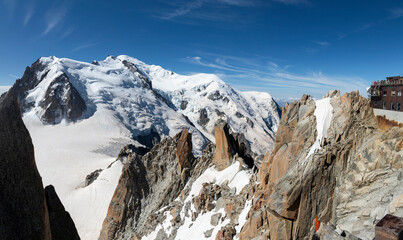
195	229
323	113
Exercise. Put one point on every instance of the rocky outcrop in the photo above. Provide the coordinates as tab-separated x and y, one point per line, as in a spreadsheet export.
348	181
203	117
29	80
61	99
61	224
228	144
90	178
145	81
22	198
126	205
330	232
224	152
25	212
184	154
147	183
334	187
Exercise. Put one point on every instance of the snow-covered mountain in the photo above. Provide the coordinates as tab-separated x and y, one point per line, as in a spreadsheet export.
205	98
81	114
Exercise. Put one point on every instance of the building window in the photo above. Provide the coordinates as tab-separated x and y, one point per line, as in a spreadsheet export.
384	105
399	93
392	106
385	93
398	106
393	93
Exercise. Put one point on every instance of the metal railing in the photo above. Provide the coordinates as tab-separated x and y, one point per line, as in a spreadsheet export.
388	82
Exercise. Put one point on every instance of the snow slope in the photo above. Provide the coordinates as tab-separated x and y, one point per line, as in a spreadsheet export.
119	107
66	153
323	113
128	101
195	229
253	113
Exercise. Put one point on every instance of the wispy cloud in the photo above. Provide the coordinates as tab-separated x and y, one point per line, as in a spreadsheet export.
29	12
393	14
84	46
190	6
67	32
13	76
294	2
319	45
53	17
396	12
322	43
184	10
277	79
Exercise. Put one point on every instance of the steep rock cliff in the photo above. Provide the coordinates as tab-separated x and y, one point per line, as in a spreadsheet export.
26	211
350	176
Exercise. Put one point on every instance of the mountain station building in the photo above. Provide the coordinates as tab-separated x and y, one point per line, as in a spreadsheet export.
387	94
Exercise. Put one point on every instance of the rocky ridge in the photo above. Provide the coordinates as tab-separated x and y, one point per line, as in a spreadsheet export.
27	210
351	180
333	161
156	195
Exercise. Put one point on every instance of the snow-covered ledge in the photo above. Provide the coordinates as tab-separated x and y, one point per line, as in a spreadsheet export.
391	115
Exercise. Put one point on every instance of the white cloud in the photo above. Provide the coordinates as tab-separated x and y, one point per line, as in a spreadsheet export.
294	2
84	46
397	12
190	6
277	80
29	13
53	17
184	10
322	43
13	76
67	32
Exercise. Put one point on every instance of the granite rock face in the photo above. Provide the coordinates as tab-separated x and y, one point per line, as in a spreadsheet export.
147	183
228	144
62	101
27	211
155	189
351	181
224	151
22	198
61	224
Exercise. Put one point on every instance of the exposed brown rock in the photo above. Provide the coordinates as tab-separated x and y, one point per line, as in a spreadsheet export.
148	183
228	144
385	123
184	150
226	233
126	201
348	172
223	154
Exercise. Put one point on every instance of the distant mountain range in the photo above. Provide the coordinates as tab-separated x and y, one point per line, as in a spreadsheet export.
81	114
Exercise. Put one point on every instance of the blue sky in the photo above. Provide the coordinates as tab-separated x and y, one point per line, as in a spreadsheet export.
284	47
